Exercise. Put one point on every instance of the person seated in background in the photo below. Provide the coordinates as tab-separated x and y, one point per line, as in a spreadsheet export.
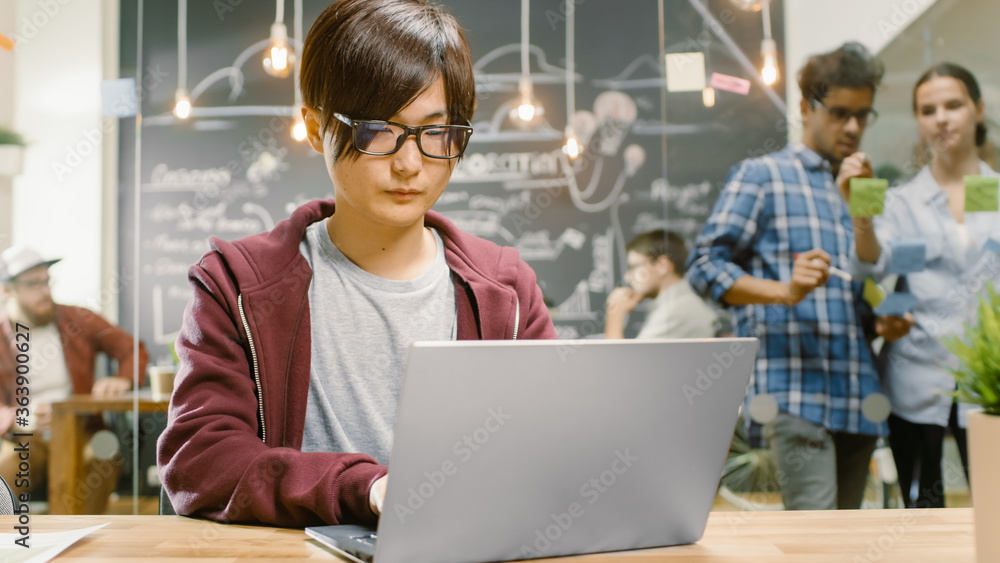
62	346
656	271
293	347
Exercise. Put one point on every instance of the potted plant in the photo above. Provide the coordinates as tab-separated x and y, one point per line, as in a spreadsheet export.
11	152
978	379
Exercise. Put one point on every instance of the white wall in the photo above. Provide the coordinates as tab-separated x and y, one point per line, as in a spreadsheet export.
57	204
7	17
816	26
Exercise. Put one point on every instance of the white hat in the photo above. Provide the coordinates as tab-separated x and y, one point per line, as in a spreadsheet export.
19	259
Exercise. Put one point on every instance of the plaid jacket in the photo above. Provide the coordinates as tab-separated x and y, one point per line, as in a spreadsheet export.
814	358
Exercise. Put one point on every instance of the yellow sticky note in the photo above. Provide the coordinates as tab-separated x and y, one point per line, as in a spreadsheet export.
873	293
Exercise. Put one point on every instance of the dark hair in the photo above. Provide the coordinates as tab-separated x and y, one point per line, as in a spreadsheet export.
963	75
849	66
661	243
368	59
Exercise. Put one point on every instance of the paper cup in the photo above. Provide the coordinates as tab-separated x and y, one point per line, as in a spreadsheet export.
161	381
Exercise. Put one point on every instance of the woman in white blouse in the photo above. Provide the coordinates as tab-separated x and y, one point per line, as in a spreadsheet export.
960	258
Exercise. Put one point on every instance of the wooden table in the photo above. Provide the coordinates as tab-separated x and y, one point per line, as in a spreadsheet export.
68	442
852	536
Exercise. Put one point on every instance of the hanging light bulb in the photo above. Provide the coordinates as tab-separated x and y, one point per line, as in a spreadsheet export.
182	104
572	146
769	73
526	109
708	96
768	48
299	129
279	57
748	5
299	132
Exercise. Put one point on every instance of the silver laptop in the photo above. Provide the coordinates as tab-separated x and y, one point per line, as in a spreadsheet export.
520	450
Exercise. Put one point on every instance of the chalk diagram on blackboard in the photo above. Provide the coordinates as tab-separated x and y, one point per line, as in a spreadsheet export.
590	180
512	172
488	84
627	81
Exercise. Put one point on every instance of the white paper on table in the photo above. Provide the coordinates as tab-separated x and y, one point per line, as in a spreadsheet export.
42	546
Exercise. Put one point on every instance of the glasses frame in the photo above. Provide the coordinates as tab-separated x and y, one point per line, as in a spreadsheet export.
33	285
416	132
870	117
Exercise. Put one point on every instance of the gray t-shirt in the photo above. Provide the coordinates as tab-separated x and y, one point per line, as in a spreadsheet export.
362	325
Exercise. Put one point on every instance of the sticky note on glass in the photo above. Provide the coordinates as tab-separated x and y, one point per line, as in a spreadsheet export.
685	72
868	196
907	256
981	193
896	304
729	83
873	293
118	98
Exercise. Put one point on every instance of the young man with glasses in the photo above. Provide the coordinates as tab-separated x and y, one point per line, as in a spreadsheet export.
778	226
60	344
292	348
656	271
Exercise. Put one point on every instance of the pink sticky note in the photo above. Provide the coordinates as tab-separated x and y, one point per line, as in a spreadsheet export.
730	83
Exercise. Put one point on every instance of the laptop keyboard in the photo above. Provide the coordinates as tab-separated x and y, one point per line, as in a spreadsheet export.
367	539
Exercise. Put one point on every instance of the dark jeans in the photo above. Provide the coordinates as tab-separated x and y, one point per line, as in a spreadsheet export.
917	449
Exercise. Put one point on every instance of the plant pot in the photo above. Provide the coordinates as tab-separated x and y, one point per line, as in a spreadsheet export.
984	458
11	160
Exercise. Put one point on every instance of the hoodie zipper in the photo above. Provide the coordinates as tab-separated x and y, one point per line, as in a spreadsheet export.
517	315
256	371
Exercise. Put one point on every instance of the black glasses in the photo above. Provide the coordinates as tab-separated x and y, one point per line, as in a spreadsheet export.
380	138
841	115
33	284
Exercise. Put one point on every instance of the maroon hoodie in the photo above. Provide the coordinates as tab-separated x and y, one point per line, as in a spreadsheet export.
231	449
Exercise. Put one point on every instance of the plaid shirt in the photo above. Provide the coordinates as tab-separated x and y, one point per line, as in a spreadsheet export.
814	358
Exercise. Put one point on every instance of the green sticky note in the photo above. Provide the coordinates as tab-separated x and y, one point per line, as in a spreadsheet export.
873	293
982	193
868	196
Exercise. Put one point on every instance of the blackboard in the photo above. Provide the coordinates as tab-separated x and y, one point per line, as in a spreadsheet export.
237	174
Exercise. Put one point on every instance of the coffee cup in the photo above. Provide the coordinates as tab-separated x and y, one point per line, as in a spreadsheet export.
161	381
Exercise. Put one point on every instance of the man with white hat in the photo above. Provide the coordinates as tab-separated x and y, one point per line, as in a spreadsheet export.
61	344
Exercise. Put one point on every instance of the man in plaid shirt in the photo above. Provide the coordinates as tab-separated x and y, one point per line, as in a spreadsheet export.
778	226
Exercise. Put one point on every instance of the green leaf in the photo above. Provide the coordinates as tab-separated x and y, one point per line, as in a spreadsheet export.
8	137
977	378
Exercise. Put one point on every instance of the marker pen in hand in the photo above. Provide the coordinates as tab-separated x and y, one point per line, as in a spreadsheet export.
834	271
